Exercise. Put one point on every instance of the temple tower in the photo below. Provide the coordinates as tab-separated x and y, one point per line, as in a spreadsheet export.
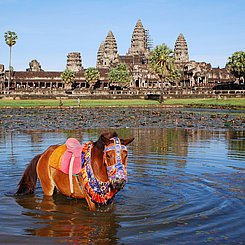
34	65
181	50
1	68
100	54
107	54
139	44
74	62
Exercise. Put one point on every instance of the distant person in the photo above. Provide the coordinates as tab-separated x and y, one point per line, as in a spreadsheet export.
61	103
78	102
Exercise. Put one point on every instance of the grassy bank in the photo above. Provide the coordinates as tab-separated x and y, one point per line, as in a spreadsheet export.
73	102
233	102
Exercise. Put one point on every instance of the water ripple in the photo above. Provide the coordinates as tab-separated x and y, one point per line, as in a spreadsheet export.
180	191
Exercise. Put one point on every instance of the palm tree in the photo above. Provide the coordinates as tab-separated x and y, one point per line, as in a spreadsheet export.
68	77
91	75
161	62
10	39
120	76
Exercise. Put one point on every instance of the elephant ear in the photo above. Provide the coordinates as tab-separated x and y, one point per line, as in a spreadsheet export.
127	141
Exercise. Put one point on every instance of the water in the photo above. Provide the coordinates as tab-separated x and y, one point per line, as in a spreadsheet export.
184	187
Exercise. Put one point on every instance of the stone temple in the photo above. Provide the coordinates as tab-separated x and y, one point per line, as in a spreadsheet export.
181	54
74	62
107	55
139	41
197	78
34	66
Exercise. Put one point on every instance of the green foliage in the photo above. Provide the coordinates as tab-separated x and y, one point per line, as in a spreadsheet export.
10	38
67	76
92	75
161	62
120	76
236	64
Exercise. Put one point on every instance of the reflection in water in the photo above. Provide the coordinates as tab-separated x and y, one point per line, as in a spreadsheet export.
68	218
236	141
184	186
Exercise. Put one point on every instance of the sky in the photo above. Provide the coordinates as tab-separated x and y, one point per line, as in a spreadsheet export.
50	29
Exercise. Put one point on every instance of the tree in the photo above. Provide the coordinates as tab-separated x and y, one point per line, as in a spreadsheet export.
91	75
10	39
120	76
161	62
68	77
236	64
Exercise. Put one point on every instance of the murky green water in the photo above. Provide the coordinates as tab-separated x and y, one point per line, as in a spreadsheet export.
184	187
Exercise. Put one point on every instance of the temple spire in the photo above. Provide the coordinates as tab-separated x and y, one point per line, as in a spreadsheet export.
181	49
100	54
74	62
139	40
107	55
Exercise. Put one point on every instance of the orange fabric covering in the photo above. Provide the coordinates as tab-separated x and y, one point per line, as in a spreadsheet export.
56	157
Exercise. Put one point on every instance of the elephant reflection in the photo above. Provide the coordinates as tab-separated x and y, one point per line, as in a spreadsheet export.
69	220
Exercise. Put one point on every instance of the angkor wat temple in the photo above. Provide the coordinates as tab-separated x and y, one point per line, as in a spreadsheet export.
196	77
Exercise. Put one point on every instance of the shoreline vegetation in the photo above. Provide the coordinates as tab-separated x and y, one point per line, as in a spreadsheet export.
234	103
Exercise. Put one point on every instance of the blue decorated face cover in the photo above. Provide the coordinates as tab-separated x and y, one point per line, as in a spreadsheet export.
115	157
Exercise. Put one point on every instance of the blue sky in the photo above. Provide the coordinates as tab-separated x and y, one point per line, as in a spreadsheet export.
49	29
